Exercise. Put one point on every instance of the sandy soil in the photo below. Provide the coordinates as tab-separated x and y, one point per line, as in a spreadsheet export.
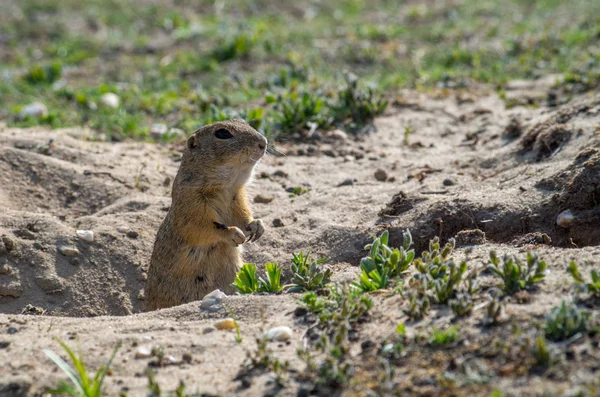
469	163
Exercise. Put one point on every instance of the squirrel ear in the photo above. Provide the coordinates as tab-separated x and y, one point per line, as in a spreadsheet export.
191	142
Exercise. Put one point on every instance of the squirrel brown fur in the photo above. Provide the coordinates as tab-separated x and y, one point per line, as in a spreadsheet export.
197	247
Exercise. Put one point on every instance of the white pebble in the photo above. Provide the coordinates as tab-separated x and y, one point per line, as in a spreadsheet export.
85	235
158	130
143	352
123	229
338	134
212	301
565	218
36	109
110	100
281	333
226	323
68	251
170	359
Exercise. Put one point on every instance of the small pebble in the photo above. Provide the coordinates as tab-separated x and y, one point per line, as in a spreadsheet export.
4	269
338	135
158	130
280	173
281	333
122	229
186	358
132	234
448	182
260	199
346	182
36	109
226	323
12	331
212	301
141	295
278	222
565	218
143	276
75	261
208	330
300	311
381	175
329	153
143	352
110	100
85	235
367	344
68	251
8	243
170	359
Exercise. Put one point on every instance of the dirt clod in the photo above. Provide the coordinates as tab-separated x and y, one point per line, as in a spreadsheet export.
470	237
260	199
381	175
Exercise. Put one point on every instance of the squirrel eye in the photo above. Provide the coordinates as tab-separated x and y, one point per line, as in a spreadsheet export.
223	134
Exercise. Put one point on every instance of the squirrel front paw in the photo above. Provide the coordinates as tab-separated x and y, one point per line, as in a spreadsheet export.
256	229
237	236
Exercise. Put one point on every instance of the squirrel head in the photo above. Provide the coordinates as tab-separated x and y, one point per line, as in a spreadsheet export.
224	152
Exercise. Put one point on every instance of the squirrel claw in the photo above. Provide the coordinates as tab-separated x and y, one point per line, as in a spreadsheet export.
238	237
256	230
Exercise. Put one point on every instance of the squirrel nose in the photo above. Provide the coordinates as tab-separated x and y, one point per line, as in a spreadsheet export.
262	146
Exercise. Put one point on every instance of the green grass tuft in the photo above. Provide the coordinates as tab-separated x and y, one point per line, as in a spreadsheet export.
82	384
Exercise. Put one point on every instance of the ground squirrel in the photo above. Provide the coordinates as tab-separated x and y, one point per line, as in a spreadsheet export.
197	246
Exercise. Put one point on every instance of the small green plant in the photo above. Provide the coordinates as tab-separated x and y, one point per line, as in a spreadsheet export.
337	314
308	273
384	264
592	286
462	305
419	303
272	283
565	321
238	332
495	312
446	286
516	275
263	359
444	337
246	281
542	354
154	389
296	111
314	303
44	74
407	132
434	262
340	304
298	191
439	272
358	105
334	370
239	45
82	385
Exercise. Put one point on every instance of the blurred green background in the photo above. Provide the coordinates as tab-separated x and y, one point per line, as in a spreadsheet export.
282	64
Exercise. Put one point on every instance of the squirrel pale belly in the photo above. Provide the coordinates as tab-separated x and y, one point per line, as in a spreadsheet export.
197	247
